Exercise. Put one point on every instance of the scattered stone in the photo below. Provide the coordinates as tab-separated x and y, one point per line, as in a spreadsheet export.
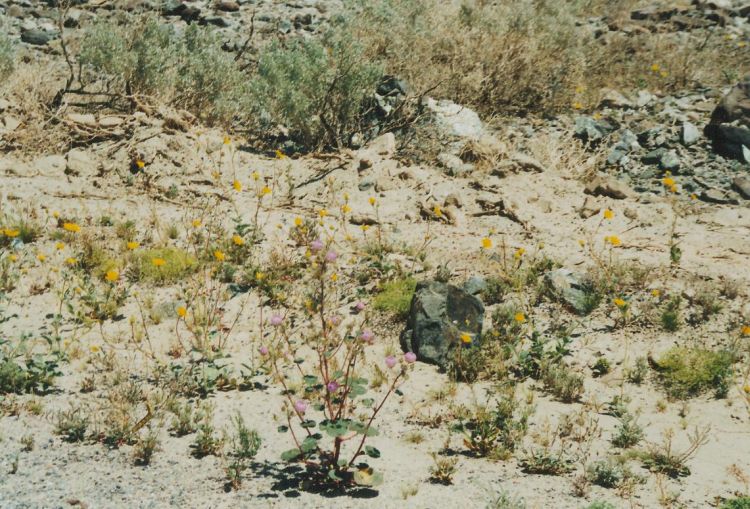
453	200
86	119
717	196
475	285
742	186
454	119
669	161
574	289
628	142
589	130
519	161
227	6
454	165
440	313
37	37
689	134
591	207
729	129
608	186
614	99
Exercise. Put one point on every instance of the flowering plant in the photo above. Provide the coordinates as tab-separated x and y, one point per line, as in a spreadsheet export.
318	355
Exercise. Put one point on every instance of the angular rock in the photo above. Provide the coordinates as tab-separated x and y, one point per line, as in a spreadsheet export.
475	285
608	186
689	134
717	196
589	130
669	161
454	119
37	37
440	313
453	164
614	99
742	186
572	288
729	128
50	166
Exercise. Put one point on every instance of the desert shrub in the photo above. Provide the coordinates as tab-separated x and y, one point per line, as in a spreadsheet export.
186	68
7	56
736	503
527	55
563	383
687	372
162	265
395	297
608	473
244	446
600	504
496	431
628	432
670	316
315	88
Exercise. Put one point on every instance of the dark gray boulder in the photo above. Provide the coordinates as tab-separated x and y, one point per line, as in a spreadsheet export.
729	128
440	314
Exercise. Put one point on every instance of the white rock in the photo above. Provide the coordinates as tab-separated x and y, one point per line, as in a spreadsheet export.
455	119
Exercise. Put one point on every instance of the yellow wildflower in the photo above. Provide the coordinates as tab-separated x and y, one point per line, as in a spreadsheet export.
71	227
94	348
55	214
620	303
322	212
71	261
11	233
608	214
668	181
334	277
255	175
437	211
345	208
41	257
655	67
158	262
132	245
466	338
519	317
237	185
227	140
365	227
519	253
219	255
181	312
577	105
59	246
372	200
486	243
265	190
238	241
298	221
112	276
279	154
614	240
655	292
746	330
196	223
581	242
260	276
140	164
13	257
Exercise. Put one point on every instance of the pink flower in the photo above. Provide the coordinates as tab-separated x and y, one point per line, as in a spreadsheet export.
332	386
410	357
367	336
335	319
276	320
263	350
359	307
300	406
390	361
316	245
331	256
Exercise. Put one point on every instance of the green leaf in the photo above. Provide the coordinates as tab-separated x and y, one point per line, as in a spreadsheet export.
333	476
309	444
309	423
291	455
362	429
310	380
368	402
372	451
334	428
282	429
